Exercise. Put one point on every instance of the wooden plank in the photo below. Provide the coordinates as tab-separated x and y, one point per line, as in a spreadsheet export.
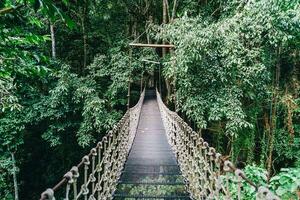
152	45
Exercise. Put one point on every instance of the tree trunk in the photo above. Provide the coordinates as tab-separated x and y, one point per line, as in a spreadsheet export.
164	50
15	176
174	10
273	118
84	33
271	135
134	31
164	22
150	21
129	79
232	153
142	79
296	73
167	10
264	141
52	40
128	94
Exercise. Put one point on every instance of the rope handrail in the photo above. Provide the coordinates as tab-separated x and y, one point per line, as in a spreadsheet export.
102	167
208	175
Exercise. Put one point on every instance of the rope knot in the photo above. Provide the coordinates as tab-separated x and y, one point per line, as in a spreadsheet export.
218	157
110	134
105	139
211	151
75	172
227	166
93	152
69	176
99	145
85	190
239	173
205	145
86	160
194	136
265	193
98	187
48	194
92	178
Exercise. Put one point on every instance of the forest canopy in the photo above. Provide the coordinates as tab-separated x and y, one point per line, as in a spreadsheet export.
65	69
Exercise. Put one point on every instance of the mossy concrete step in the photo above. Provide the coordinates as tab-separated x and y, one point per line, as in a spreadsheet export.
151	189
139	197
151	178
152	168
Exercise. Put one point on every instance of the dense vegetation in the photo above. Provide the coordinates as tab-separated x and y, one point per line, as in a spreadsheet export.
65	68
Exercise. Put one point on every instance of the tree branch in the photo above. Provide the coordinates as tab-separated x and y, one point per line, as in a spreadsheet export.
4	11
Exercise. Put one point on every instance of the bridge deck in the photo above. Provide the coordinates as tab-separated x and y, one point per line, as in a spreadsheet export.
151	170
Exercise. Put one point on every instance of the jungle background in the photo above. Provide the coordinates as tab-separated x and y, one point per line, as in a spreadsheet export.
65	68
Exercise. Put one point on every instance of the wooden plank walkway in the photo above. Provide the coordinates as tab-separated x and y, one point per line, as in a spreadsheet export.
151	170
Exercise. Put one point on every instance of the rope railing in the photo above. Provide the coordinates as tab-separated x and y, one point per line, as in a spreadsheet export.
207	174
96	176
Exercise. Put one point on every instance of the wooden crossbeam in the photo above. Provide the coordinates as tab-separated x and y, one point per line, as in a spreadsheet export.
150	61
152	45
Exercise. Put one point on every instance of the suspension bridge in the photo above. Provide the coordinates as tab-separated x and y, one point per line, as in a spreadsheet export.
151	153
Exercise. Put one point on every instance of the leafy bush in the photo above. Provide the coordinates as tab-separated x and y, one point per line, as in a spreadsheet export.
286	183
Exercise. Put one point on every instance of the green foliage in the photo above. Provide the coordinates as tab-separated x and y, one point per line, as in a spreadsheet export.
11	138
234	65
221	65
18	48
286	183
11	129
5	184
256	174
287	149
224	67
71	96
21	46
7	98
